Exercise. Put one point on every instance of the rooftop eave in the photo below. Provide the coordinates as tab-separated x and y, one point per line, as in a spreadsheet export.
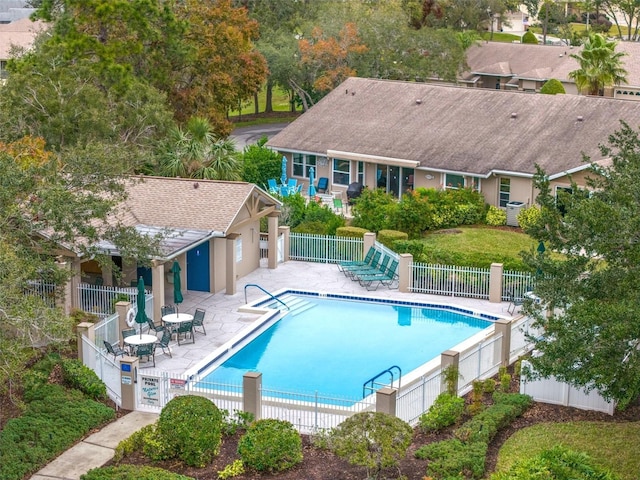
363	157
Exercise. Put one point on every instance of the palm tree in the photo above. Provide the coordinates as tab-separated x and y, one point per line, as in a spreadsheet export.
195	152
600	65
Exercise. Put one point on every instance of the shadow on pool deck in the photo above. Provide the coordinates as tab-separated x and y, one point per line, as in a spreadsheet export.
223	321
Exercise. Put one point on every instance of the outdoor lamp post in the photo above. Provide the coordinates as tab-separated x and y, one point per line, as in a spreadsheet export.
490	13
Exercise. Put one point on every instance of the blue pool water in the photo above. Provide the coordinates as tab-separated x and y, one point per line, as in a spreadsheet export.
334	346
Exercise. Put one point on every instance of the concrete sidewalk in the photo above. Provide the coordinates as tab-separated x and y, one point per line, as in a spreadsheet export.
95	450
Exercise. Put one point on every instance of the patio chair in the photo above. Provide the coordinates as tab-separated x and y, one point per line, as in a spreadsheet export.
167	310
272	185
338	206
128	333
153	327
366	261
374	260
514	303
323	184
147	350
183	329
198	320
369	281
163	343
378	269
284	190
292	186
114	350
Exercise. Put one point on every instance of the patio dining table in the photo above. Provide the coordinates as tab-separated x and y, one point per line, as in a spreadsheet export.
173	320
135	340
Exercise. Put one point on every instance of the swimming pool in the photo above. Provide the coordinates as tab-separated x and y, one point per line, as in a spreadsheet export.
333	344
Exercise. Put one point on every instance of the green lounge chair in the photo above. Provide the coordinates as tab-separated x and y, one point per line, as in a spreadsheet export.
387	278
366	261
373	261
371	270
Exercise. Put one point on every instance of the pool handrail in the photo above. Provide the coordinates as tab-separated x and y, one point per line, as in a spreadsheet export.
375	377
259	287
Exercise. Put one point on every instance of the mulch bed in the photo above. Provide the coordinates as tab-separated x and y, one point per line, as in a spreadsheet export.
321	465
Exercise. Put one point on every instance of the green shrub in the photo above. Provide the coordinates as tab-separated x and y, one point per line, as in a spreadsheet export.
351	232
454	459
446	410
389	237
131	472
489	385
529	217
372	440
505	382
552	86
523	402
529	37
77	375
450	375
373	210
232	470
239	420
496	217
270	445
190	428
53	421
135	442
414	247
557	463
314	228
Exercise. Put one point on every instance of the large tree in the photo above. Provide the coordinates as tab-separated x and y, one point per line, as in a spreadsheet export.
51	204
225	68
589	314
600	65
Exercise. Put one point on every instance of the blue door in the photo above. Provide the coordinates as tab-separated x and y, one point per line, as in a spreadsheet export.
198	268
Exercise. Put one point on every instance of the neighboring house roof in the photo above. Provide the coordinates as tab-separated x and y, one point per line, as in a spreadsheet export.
187	211
540	62
457	129
20	33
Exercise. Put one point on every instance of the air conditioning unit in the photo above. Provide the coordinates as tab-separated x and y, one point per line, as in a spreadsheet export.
513	209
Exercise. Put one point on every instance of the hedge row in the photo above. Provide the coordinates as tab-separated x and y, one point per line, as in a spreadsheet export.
464	456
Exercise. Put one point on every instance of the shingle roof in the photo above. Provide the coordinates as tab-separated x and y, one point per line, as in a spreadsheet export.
458	129
541	61
180	203
19	33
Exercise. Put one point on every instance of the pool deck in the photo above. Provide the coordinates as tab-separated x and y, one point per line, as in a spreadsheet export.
223	321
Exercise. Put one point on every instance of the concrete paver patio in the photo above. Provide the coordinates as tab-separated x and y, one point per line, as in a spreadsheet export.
223	321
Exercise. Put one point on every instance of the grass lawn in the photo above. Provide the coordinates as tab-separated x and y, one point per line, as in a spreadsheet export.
610	445
501	37
280	103
478	246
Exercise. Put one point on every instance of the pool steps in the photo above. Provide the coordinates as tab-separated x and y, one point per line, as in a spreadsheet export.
296	304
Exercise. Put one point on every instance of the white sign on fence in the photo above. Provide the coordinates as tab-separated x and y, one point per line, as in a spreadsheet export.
150	390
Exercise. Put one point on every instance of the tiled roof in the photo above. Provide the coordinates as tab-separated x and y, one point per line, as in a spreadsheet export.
472	130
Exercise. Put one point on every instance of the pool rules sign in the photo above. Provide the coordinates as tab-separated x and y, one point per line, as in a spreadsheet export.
150	390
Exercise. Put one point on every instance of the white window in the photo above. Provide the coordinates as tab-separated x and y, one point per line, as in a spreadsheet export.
505	191
302	163
341	171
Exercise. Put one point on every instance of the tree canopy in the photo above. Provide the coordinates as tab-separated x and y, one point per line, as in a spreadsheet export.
590	296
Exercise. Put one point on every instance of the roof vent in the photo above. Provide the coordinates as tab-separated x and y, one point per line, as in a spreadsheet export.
514	115
196	184
346	92
418	101
353	92
580	118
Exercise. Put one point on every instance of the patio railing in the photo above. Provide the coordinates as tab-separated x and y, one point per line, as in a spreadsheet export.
457	281
308	247
101	299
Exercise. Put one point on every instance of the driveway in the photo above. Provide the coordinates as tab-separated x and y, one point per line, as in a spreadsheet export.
249	135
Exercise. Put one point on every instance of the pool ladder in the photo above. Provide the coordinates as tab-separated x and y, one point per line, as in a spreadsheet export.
260	288
371	383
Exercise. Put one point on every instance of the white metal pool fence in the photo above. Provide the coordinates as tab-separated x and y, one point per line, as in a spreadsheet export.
310	412
106	368
450	280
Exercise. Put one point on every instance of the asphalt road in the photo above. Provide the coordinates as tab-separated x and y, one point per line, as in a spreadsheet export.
249	135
